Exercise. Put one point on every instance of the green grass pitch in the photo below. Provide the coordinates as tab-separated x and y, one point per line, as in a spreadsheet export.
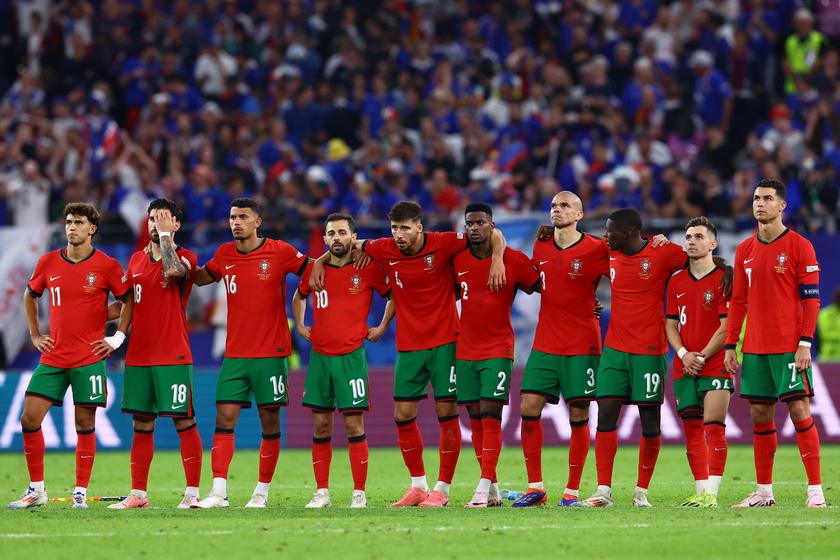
56	531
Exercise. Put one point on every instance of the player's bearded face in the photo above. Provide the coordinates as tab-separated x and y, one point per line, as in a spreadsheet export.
406	234
339	238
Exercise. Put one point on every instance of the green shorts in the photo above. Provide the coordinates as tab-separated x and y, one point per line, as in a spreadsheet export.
88	382
550	375
414	371
774	377
689	392
264	378
158	391
483	380
632	378
341	380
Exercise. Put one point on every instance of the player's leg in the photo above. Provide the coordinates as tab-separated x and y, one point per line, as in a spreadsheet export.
191	457
89	393
354	427
578	384
411	379
269	455
808	441
690	411
321	457
540	385
759	388
469	395
715	407
648	392
444	384
35	409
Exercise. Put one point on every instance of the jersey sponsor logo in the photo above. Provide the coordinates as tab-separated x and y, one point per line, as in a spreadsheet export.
91	280
430	263
577	266
264	266
543	262
748	260
54	278
462	273
136	275
646	265
393	263
355	284
781	259
229	266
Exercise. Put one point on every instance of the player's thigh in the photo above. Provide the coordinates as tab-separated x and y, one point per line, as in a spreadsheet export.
688	399
578	377
174	390
468	381
442	372
138	395
90	387
790	382
269	381
612	381
716	403
758	381
542	376
411	375
318	391
49	383
350	381
495	379
234	383
648	374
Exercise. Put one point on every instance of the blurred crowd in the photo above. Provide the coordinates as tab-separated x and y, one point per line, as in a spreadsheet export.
313	106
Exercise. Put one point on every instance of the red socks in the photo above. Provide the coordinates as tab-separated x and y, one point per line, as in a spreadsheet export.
532	444
695	448
476	436
85	452
411	445
191	454
717	447
359	460
606	446
321	459
578	450
269	454
492	445
141	454
449	446
765	443
222	453
648	454
34	450
808	440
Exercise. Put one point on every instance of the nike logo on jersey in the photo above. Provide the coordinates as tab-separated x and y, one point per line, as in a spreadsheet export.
498	394
613	258
136	275
94	397
589	391
649	396
359	401
452	389
794	385
177	407
681	295
462	273
748	260
543	262
392	263
228	266
53	278
278	398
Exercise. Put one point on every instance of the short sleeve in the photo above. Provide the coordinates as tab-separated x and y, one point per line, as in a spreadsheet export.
378	280
117	281
38	283
671	305
303	285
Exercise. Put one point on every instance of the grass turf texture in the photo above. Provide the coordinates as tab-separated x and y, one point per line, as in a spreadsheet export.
665	531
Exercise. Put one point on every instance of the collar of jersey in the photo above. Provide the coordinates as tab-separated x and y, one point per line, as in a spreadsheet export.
760	240
559	248
63	254
262	242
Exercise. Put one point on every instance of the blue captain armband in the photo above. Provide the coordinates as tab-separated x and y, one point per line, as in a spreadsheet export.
809	291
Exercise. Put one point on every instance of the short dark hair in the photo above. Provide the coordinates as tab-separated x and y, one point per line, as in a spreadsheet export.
337	216
89	211
702	221
246	203
406	210
166	204
778	186
479	207
626	218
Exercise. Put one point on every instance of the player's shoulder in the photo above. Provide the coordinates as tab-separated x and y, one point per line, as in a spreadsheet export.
514	255
100	256
445	237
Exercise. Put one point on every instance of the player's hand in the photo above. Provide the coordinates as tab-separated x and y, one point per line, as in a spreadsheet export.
802	358
545	233
148	248
360	259
165	221
659	240
375	333
305	332
316	277
598	309
497	278
101	348
730	360
693	363
43	342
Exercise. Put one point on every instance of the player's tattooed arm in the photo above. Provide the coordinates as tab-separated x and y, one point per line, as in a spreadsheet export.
166	226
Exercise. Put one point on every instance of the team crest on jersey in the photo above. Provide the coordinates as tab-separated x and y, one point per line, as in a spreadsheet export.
708	298
165	282
781	260
264	266
646	266
90	277
355	284
577	266
430	263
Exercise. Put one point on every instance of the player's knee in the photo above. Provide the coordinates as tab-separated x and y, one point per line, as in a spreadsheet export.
29	421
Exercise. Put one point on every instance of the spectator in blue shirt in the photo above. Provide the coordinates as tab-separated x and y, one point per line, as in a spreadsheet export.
712	92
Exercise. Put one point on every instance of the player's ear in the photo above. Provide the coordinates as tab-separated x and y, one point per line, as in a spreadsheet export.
419	226
258	221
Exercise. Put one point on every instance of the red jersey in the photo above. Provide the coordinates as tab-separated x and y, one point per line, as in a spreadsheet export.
777	287
341	309
486	330
423	288
159	335
255	282
699	305
567	323
637	318
78	303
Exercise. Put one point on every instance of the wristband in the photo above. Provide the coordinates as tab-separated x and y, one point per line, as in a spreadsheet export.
805	343
682	352
164	234
116	340
701	358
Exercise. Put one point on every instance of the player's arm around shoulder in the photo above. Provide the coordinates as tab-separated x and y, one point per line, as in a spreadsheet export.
498	278
527	274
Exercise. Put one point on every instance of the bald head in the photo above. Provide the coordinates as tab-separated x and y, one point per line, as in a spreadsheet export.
566	210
